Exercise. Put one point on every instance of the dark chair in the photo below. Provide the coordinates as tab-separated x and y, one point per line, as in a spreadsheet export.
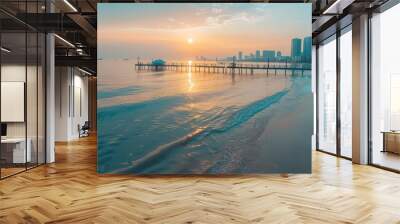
84	130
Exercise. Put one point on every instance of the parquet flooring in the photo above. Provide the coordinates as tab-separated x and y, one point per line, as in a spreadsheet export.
70	191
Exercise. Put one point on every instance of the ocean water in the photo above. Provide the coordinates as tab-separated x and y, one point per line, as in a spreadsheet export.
202	123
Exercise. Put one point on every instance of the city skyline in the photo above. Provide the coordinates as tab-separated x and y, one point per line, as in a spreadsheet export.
184	31
302	47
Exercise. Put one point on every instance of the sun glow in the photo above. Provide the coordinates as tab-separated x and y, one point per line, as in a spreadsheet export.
190	40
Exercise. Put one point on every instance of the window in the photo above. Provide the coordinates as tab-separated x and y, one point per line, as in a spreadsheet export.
385	89
22	78
346	92
327	95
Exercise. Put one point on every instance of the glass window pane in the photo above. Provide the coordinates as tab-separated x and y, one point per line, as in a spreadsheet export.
327	96
23	90
31	87
346	94
13	86
41	98
385	92
31	97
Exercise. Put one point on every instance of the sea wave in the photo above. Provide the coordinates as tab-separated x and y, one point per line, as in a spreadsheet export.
130	90
215	126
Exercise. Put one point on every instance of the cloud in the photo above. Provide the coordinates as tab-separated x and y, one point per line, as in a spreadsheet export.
225	19
201	12
216	10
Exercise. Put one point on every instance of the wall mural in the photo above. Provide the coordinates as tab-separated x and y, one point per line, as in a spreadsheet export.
204	88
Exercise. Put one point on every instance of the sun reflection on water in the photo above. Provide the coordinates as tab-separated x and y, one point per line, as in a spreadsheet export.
190	81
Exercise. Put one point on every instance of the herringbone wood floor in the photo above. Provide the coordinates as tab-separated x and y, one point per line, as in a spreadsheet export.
70	191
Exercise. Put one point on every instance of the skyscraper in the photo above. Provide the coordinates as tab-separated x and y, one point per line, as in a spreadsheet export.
268	55
258	55
296	49
307	45
240	56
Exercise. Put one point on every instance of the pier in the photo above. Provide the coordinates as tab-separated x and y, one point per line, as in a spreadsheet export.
231	68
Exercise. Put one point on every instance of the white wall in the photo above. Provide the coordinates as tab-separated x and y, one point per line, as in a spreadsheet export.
80	109
70	83
13	101
13	73
16	73
62	82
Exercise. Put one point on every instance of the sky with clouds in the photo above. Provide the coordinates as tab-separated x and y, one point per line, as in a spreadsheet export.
183	31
